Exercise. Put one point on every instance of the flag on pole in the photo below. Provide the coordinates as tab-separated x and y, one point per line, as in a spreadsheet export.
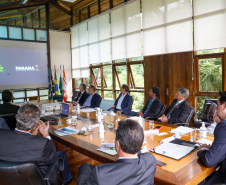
61	83
64	85
56	84
51	85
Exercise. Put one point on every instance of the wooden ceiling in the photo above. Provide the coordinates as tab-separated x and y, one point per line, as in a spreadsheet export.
62	14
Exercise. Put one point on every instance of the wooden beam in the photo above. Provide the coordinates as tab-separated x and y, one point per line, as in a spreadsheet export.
111	4
88	11
39	18
28	4
99	7
57	5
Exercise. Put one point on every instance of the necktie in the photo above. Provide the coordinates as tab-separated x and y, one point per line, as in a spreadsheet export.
149	104
169	114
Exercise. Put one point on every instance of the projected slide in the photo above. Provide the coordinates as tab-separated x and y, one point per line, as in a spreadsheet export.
23	65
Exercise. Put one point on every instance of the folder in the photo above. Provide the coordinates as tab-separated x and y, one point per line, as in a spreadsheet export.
175	149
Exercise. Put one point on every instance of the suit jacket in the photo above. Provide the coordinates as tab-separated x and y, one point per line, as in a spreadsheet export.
153	110
139	171
83	98
216	155
23	147
96	100
7	108
180	113
126	105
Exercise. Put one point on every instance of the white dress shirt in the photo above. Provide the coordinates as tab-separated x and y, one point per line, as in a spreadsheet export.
47	137
120	102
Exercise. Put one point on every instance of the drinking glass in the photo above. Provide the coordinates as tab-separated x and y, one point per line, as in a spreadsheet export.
193	135
151	124
59	121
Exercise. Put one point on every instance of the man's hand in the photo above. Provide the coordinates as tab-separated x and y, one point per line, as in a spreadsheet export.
163	119
44	128
217	119
204	146
113	107
141	114
34	131
120	112
74	103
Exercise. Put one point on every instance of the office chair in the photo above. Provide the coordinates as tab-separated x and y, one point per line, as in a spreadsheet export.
10	119
12	173
59	98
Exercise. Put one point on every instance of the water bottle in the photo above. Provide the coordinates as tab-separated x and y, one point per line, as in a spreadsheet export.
78	108
203	131
101	129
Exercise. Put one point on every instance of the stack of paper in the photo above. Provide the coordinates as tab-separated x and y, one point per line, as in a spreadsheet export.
108	148
205	141
134	118
66	131
168	139
182	130
88	110
154	131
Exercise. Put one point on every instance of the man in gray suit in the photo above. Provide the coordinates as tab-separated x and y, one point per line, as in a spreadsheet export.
130	168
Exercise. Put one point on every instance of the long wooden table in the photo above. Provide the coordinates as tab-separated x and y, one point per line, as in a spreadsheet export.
188	170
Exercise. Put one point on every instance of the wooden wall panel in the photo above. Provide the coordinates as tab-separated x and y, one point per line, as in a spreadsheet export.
169	72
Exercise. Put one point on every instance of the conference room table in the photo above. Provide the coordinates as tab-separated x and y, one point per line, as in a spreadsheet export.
187	170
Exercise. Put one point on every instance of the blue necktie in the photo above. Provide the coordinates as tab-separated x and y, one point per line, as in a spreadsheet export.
149	104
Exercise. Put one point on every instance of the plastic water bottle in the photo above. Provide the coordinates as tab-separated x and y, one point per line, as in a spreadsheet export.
203	131
101	129
78	108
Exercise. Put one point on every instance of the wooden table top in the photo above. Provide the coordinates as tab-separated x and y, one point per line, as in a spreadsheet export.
188	170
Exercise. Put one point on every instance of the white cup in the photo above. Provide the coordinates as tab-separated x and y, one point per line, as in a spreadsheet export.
43	111
177	135
69	121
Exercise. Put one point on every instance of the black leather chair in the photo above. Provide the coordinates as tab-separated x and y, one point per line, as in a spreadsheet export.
163	108
12	173
75	94
59	98
198	123
187	122
10	120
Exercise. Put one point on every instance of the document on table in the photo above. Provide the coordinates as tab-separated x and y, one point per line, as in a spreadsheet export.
134	118
182	130
108	148
205	141
66	131
172	150
87	110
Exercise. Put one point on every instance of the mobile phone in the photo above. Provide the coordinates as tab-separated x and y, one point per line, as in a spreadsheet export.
81	132
158	127
160	163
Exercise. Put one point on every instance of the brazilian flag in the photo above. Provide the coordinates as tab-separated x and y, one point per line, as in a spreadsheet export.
56	84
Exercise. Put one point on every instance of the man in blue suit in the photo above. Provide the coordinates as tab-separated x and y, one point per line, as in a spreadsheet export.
215	155
124	102
94	99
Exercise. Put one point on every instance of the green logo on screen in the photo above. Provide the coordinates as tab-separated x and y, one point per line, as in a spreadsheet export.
1	69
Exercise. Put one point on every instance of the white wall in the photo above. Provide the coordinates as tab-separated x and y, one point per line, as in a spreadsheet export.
60	54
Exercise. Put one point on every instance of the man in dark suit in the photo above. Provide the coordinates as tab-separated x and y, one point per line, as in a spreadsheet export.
22	144
7	107
124	102
179	109
94	99
152	107
130	168
215	155
82	95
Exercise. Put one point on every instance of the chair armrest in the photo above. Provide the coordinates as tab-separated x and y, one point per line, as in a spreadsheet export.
182	124
60	166
195	114
152	118
110	109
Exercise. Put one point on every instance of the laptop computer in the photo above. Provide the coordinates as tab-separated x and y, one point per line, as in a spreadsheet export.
64	112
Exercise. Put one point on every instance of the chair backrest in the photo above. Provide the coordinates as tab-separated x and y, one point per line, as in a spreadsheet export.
209	110
212	100
106	104
190	114
10	119
59	98
20	174
162	110
75	94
